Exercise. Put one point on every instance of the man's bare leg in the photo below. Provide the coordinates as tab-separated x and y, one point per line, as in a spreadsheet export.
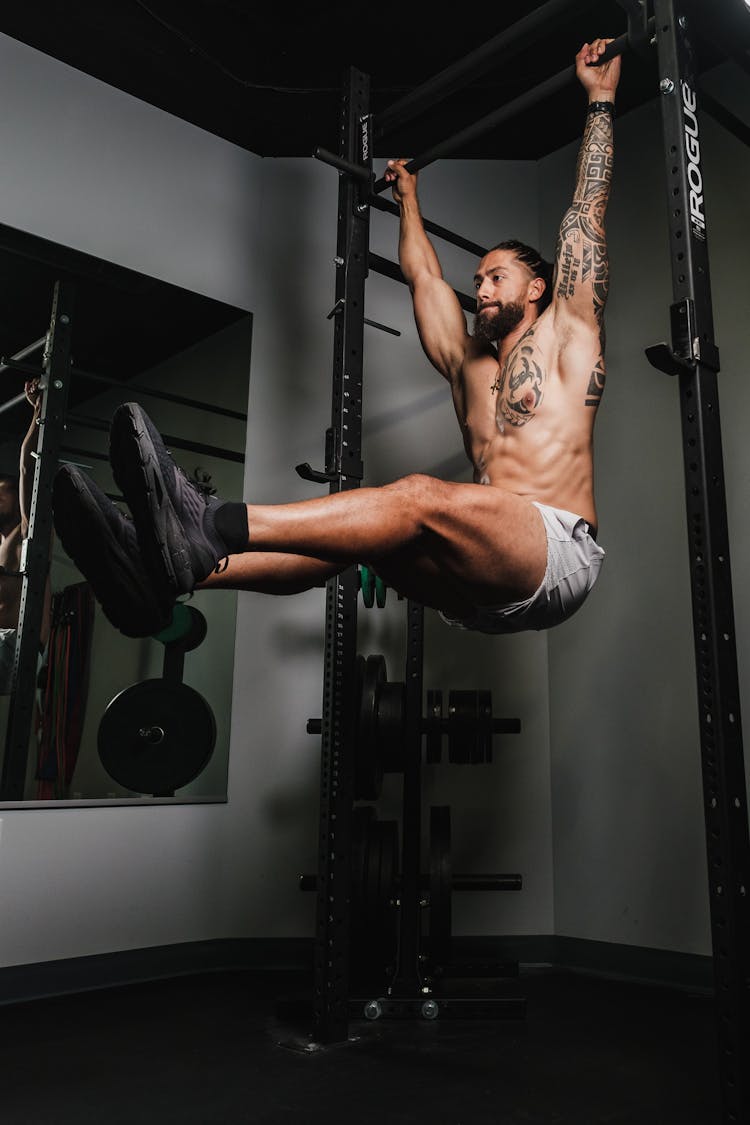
485	545
477	543
488	542
271	573
410	574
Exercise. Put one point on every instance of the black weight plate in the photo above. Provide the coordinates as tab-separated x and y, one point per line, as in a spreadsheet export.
434	733
391	718
353	705
361	817
368	774
441	884
156	736
473	716
381	912
358	929
462	711
389	865
374	918
484	726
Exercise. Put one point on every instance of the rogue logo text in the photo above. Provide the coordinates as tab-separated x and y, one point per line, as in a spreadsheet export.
693	150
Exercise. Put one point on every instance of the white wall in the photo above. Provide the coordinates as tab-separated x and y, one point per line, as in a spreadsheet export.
629	840
91	167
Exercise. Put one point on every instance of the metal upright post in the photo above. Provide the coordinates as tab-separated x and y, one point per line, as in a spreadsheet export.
343	471
36	549
694	359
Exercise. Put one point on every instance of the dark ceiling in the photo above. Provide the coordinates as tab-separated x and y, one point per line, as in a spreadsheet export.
268	76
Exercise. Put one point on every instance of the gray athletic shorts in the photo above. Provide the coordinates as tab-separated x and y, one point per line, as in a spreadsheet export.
573	562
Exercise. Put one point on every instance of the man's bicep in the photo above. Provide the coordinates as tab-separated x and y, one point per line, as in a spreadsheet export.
441	324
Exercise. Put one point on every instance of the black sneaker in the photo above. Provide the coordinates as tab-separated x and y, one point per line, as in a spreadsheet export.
103	544
174	519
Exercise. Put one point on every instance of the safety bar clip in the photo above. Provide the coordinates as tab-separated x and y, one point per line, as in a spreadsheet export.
688	349
306	471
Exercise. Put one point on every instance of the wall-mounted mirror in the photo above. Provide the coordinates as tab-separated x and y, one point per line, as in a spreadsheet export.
97	716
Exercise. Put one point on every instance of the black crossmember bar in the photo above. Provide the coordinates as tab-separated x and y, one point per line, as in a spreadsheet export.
490	121
364	174
391	269
442	232
473	65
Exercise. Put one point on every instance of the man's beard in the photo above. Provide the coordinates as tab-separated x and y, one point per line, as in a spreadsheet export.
498	321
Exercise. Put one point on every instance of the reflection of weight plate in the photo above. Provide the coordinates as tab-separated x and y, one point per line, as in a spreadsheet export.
441	883
156	736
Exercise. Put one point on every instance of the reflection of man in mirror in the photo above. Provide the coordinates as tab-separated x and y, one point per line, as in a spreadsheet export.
15	503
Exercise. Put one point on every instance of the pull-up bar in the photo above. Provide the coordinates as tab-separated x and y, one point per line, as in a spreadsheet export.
472	66
525	101
433	228
364	175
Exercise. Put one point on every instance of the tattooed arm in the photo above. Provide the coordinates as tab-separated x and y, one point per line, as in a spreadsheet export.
581	280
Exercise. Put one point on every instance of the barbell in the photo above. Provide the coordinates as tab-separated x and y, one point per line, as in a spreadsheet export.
380	724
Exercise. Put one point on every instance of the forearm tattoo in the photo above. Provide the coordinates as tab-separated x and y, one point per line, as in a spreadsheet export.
581	245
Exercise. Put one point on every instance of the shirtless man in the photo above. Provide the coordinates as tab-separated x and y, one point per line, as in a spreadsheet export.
514	550
15	504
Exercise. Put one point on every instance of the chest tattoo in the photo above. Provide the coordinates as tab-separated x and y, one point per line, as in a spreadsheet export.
520	383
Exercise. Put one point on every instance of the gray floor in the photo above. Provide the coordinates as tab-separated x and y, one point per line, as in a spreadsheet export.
220	1049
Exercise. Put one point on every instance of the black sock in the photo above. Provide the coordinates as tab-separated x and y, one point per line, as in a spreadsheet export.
230	520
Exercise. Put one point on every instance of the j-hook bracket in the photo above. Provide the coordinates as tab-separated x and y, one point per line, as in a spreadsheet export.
688	348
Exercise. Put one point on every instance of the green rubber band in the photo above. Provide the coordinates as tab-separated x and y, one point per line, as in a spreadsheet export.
367	586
